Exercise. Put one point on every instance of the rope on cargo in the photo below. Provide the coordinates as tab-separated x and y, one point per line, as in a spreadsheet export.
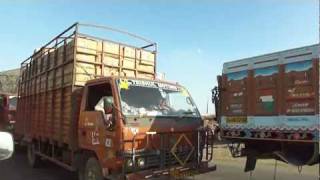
118	30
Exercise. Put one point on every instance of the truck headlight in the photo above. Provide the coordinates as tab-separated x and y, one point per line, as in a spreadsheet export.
129	163
141	162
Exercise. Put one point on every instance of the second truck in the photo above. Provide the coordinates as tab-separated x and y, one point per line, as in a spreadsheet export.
268	106
95	106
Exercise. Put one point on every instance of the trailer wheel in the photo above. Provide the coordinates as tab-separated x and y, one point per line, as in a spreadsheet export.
33	159
93	170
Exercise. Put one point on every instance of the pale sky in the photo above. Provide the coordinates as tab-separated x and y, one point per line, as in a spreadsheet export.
194	37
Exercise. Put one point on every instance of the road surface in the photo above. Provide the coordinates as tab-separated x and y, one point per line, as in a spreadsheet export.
227	169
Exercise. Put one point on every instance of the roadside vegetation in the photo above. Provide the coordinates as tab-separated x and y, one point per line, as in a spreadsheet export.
9	81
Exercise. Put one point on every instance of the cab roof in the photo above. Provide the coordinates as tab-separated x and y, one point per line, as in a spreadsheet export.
110	78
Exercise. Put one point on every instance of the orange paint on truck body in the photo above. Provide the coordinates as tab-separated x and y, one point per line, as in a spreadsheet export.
63	82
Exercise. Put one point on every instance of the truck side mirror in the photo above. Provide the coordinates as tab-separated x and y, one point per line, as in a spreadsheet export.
6	145
189	101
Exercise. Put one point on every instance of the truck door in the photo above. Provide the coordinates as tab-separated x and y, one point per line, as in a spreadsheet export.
97	124
3	110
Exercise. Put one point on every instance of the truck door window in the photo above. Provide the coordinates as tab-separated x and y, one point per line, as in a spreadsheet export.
95	93
12	103
1	102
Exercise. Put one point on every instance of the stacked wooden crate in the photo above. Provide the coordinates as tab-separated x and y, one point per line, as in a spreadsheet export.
105	58
51	76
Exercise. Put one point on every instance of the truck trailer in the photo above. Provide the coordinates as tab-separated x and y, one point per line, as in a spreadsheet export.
94	106
268	106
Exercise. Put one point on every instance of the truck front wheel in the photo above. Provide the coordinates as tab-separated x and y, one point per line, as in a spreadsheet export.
93	170
33	159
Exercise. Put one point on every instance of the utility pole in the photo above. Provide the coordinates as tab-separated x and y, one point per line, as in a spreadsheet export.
207	106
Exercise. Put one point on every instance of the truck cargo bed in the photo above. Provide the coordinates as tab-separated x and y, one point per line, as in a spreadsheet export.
51	80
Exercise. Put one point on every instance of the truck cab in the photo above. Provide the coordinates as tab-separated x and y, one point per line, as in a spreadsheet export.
7	111
3	110
150	128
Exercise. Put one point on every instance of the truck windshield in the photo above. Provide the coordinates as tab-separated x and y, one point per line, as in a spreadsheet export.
150	98
12	103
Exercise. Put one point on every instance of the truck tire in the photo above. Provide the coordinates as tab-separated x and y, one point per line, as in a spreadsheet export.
93	170
34	160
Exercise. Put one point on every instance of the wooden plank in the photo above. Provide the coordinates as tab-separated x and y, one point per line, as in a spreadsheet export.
53	106
102	59
136	57
46	96
111	60
128	63
62	92
86	46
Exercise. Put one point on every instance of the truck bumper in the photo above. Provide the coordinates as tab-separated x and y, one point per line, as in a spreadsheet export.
175	172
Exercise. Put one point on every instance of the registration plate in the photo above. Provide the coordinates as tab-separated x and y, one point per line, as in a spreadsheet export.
180	173
237	120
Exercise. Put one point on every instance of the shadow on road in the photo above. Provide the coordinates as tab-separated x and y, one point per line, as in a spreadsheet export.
17	168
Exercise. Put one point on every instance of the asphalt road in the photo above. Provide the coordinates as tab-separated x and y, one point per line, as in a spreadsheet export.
227	169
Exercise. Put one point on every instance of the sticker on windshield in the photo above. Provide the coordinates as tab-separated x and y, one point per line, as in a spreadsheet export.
184	92
123	84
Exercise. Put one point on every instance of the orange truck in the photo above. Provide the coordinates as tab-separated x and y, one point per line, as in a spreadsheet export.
94	106
268	106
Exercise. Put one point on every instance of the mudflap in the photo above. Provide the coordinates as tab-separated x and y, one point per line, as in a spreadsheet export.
250	163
